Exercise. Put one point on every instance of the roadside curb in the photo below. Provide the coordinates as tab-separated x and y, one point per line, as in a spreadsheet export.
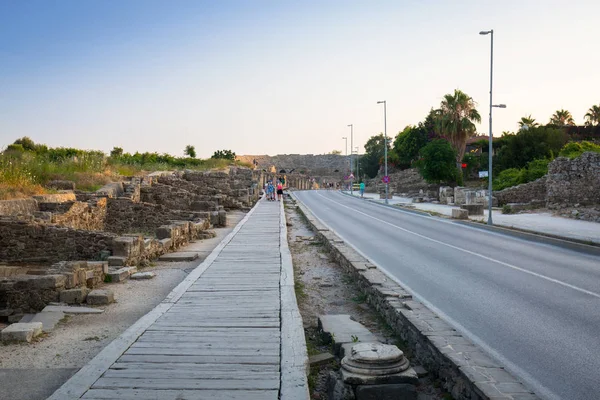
294	355
464	369
83	379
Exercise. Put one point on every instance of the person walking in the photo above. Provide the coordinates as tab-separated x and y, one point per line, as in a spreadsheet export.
270	192
362	189
279	191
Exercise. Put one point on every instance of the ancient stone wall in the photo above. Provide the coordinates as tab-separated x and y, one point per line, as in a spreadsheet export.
78	215
18	206
574	182
26	242
524	193
314	165
405	183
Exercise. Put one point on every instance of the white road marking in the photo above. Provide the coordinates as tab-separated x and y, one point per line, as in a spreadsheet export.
568	285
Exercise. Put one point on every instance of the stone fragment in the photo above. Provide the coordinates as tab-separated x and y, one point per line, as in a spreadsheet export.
342	329
459	213
49	319
21	332
321	359
143	275
179	256
116	261
100	297
386	392
73	309
376	363
73	296
121	274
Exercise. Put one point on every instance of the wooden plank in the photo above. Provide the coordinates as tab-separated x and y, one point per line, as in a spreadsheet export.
183	373
144	394
190	351
165	384
155	358
241	368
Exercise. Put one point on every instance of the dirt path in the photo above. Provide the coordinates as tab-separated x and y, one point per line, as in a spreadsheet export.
33	371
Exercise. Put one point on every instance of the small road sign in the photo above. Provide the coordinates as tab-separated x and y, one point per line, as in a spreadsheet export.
386	179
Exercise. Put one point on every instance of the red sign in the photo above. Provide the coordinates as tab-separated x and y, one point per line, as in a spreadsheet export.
464	165
386	179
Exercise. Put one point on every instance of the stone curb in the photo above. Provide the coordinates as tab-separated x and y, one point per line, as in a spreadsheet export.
83	380
464	369
294	355
536	236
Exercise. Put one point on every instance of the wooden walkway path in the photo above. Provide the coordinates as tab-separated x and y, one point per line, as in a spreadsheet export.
222	338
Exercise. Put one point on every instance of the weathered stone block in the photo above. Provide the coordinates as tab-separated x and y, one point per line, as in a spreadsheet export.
143	275
74	296
116	261
100	297
459	213
21	332
473	209
121	274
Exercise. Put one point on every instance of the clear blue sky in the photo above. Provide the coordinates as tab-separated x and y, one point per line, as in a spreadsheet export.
274	76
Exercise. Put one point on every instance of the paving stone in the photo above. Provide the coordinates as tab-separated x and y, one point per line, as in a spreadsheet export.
343	330
74	309
121	274
100	297
21	332
143	275
49	319
179	256
74	296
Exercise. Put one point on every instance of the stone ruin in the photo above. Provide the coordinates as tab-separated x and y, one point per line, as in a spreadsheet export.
57	247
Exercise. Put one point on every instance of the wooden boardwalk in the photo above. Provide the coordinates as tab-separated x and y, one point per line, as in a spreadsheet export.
222	338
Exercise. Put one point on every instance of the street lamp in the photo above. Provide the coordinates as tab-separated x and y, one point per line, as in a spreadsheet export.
351	144
491	33
385	146
357	164
346	139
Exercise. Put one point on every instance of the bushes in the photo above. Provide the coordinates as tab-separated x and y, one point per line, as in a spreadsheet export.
516	176
407	145
438	162
575	149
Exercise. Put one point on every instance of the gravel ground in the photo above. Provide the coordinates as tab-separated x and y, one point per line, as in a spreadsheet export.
50	360
322	287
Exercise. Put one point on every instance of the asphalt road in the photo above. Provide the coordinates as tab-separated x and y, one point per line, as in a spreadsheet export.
534	307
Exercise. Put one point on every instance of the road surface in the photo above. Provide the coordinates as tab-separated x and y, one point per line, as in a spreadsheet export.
534	307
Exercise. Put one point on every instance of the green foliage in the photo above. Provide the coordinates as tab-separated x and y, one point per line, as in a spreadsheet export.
516	176
373	158
224	154
190	151
116	152
506	209
438	162
26	143
407	145
575	149
515	151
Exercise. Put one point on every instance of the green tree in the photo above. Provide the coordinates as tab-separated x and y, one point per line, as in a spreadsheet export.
336	152
116	152
372	160
456	119
437	163
190	151
224	154
562	118
27	143
407	145
592	117
527	122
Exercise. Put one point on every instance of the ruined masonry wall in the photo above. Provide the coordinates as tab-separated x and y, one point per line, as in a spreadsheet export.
19	206
525	193
36	243
572	182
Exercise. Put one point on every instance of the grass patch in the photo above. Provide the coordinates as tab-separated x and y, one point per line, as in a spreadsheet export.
299	288
361	298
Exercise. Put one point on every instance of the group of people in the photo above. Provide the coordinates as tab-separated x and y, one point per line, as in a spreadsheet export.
271	189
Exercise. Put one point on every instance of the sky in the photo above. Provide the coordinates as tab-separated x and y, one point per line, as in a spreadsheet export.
278	76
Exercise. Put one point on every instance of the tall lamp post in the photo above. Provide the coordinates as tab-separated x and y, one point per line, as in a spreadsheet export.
346	139
491	33
385	146
357	164
351	169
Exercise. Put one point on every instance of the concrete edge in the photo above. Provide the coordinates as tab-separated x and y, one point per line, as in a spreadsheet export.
83	379
536	236
393	207
466	370
294	355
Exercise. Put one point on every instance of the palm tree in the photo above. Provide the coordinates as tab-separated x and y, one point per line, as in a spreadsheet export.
456	119
527	122
562	118
592	117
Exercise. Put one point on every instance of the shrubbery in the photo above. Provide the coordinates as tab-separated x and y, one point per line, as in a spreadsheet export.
575	149
438	162
516	176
